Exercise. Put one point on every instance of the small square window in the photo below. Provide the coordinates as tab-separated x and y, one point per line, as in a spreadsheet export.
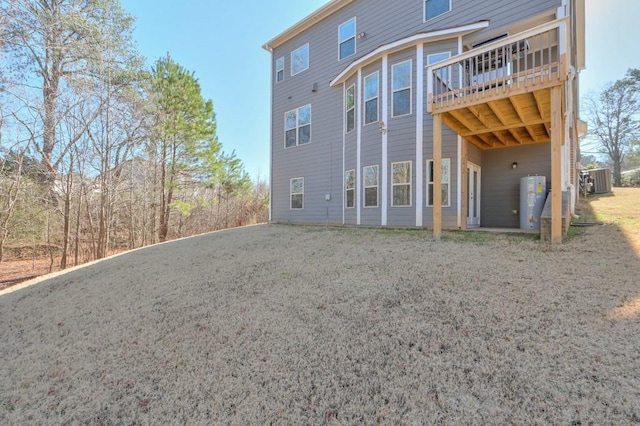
350	189
300	59
371	88
296	192
370	181
442	74
347	38
350	108
435	8
279	69
297	126
446	173
401	86
401	184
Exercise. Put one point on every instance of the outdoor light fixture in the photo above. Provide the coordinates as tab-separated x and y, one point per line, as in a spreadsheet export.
514	165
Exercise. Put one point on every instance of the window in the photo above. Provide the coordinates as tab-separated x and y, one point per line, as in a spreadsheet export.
370	186
297	193
443	73
401	184
297	126
350	188
371	98
300	59
350	107
401	88
347	38
445	182
279	69
435	8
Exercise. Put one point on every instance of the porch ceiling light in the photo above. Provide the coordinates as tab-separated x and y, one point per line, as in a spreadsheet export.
514	165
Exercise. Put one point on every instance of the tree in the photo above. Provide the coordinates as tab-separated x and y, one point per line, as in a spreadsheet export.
614	120
184	128
54	42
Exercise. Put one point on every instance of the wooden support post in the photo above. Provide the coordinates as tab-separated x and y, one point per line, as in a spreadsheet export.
437	176
464	187
557	137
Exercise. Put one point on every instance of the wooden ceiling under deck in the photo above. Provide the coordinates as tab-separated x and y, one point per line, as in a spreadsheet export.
502	118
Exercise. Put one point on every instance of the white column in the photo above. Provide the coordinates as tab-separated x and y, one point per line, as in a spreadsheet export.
384	168
419	133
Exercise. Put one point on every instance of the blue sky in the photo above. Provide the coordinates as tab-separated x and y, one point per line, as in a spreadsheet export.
221	42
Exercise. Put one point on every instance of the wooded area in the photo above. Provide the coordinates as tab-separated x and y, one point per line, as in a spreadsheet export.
98	153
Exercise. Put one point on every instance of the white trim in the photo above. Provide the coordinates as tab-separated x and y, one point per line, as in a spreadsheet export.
377	97
347	189
424	12
410	87
308	59
355	40
430	160
346	111
393	184
325	11
419	131
385	138
405	43
459	183
377	186
291	194
344	151
358	152
278	69
460	142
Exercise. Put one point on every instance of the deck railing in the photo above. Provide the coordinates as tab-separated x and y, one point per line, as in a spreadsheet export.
530	58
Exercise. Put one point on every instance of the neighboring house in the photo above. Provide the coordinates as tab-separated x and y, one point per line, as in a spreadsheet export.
367	94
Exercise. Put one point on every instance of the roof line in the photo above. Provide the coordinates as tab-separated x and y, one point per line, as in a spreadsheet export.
403	43
306	23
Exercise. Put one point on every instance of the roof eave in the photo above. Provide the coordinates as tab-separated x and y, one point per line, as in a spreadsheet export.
306	23
407	41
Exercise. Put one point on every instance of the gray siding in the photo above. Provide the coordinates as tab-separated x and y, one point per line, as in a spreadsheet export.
321	162
501	183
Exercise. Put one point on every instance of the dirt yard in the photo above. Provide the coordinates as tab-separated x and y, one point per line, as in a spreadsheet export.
311	325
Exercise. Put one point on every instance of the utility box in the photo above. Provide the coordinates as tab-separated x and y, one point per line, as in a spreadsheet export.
533	193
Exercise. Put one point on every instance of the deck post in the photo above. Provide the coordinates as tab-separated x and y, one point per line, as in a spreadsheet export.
557	136
437	176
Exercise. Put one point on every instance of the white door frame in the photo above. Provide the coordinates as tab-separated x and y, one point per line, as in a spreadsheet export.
473	195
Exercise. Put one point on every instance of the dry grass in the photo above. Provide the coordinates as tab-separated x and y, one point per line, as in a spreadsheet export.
304	325
620	208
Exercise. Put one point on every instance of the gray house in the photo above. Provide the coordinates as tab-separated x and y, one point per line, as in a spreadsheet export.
376	103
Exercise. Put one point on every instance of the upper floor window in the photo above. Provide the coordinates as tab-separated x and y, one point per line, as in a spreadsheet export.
446	165
300	59
279	69
444	73
350	108
347	38
350	188
370	174
297	126
435	8
371	88
401	76
401	183
296	193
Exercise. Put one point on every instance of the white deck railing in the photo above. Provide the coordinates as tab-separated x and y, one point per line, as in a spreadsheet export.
526	59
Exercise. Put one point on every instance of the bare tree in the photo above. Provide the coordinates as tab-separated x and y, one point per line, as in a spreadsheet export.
614	120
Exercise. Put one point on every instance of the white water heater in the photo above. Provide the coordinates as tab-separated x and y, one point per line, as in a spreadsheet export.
533	194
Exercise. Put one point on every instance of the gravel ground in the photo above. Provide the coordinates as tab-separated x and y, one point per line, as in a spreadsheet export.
279	324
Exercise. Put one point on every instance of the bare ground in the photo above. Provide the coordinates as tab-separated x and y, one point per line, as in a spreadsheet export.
302	325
